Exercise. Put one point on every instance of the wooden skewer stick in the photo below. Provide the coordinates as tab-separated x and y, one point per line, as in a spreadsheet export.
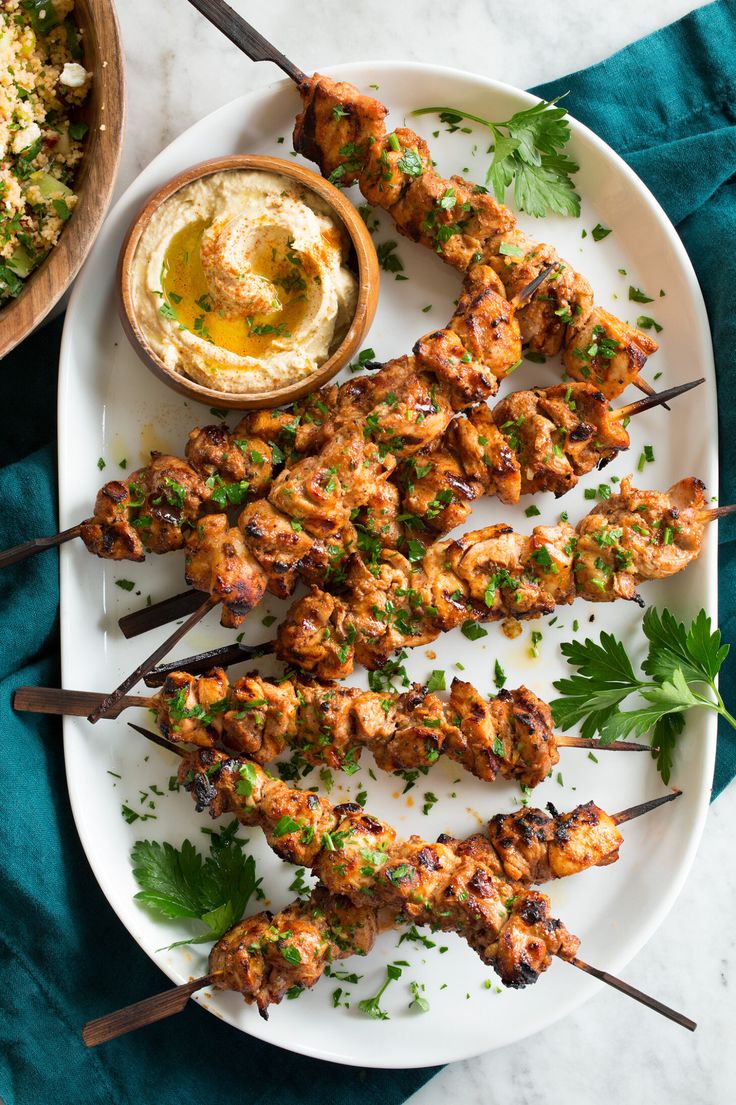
612	746
110	702
53	700
57	700
159	613
36	545
246	38
222	657
632	992
645	807
526	293
144	1012
655	399
714	512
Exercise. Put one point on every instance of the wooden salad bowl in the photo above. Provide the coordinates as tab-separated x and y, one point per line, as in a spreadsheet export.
104	113
364	261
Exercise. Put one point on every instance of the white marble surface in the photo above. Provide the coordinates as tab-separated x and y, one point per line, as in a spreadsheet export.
179	69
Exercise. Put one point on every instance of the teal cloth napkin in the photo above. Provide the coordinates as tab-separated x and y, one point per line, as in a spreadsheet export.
665	104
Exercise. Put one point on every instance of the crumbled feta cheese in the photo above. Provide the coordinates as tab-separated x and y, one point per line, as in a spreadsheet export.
26	137
73	75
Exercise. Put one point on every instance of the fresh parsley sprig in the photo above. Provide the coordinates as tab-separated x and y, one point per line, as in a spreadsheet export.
181	882
528	153
681	665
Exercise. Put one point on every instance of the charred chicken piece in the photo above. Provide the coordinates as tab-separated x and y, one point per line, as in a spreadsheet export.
227	458
218	563
328	127
153	510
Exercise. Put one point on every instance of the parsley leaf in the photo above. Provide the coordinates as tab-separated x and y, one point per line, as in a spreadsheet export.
181	882
680	670
528	153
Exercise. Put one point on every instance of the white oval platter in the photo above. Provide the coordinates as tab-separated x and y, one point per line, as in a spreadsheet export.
111	407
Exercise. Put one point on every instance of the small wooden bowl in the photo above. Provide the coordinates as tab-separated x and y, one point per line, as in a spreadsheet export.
104	113
366	263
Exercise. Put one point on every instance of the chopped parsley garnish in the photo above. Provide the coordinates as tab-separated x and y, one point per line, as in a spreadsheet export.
644	322
437	681
473	631
638	296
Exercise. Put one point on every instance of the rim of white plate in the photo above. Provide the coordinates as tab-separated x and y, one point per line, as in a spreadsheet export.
643	933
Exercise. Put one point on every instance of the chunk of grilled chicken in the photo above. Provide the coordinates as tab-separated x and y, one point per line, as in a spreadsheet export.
264	956
459	886
330	724
494	573
636	536
285	551
219	454
218	562
151	510
465	225
541	439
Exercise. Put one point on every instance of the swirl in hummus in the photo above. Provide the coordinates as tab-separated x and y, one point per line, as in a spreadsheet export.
240	281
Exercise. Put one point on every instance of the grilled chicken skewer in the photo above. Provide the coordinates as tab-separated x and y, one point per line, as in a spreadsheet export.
479	887
343	131
493	574
528	846
321	930
542	439
487	575
330	724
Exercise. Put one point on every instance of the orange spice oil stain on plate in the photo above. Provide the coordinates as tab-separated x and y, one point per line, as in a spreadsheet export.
187	294
150	442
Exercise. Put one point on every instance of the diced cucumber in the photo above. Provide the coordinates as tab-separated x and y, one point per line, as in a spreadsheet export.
48	185
20	262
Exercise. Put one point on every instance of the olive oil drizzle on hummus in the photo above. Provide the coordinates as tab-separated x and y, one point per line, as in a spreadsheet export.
188	298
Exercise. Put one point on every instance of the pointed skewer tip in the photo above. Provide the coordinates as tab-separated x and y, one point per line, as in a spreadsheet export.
156	738
654	399
522	297
645	807
632	992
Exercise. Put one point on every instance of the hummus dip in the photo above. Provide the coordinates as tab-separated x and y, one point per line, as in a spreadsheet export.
239	281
